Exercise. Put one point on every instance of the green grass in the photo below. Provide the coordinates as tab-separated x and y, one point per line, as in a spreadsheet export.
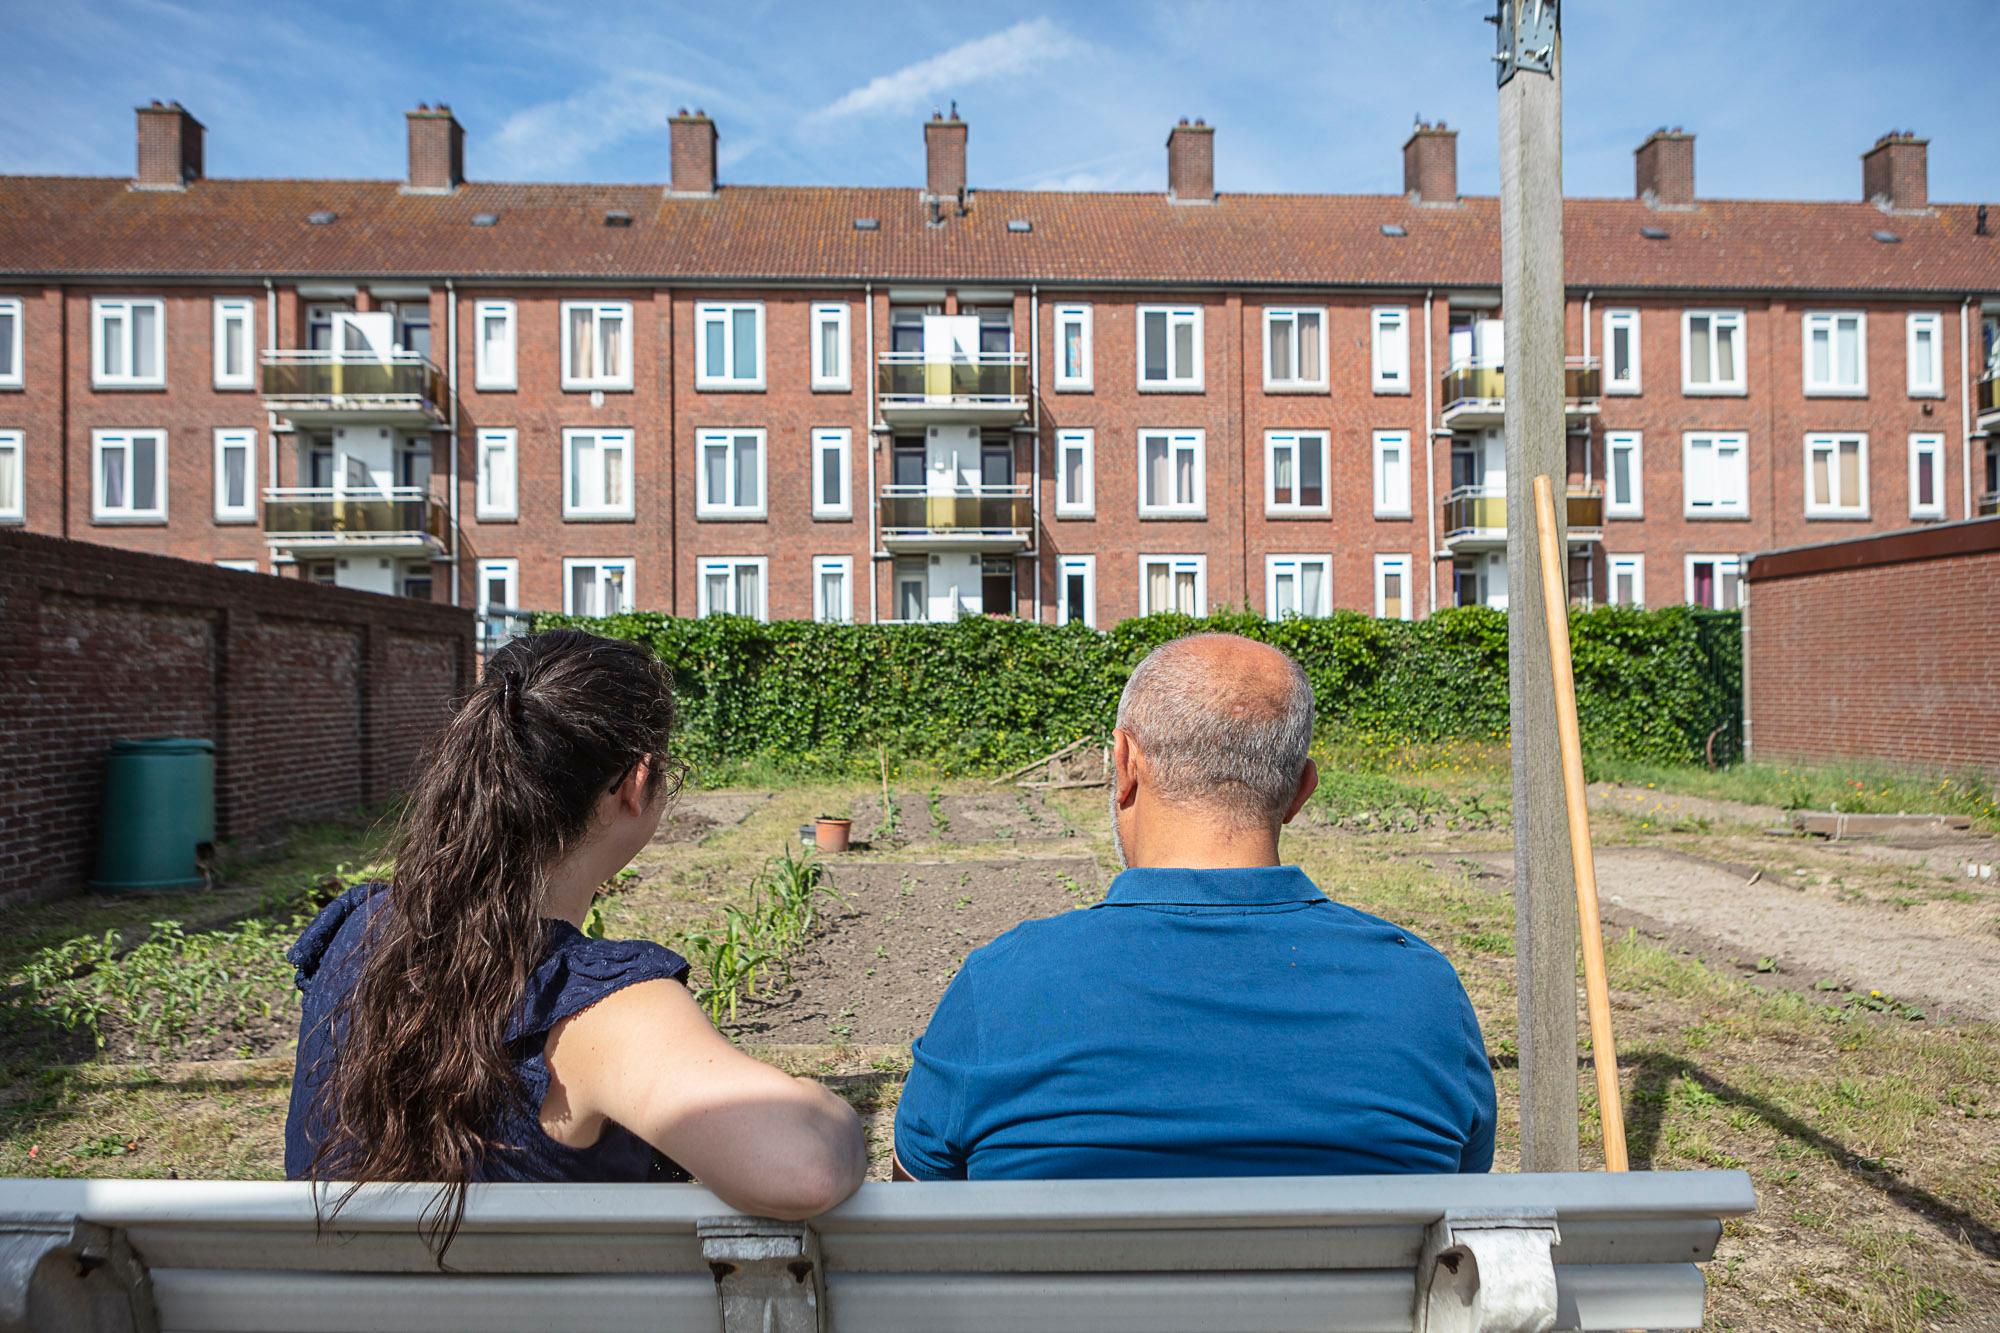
1855	788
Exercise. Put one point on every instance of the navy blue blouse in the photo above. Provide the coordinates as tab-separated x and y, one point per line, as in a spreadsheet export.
575	973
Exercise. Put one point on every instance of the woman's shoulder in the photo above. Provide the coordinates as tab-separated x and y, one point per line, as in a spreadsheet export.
577	971
315	945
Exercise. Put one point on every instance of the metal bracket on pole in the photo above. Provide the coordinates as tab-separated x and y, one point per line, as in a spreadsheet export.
1530	43
768	1274
62	1273
1488	1272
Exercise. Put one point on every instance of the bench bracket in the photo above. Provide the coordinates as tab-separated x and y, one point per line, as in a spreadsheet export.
1488	1272
768	1274
63	1273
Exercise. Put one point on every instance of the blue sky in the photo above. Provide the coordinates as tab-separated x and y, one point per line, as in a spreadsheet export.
1783	95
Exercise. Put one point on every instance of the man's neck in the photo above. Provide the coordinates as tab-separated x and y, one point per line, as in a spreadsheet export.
1195	845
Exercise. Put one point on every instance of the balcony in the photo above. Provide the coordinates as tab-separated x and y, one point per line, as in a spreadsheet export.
984	389
1989	505
984	518
404	519
334	388
1986	399
1475	517
1475	394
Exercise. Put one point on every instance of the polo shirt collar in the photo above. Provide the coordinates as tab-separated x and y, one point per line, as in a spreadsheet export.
1254	887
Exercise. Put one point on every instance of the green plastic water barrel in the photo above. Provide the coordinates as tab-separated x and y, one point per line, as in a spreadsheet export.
159	809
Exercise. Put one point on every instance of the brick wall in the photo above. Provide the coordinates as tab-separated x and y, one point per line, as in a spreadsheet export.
1884	648
318	699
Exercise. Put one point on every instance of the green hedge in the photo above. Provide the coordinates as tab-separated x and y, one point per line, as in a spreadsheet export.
985	693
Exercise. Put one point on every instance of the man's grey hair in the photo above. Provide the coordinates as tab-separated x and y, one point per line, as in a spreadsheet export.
1216	742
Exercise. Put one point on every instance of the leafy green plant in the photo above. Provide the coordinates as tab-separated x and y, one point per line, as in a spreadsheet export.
748	941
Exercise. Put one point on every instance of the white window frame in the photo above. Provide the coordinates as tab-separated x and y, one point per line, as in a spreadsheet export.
1388	325
1842	507
1178	563
1301	383
1721	563
14	508
1633	564
621	377
102	441
838	441
1274	565
1623	317
1812	321
501	369
1176	439
1934	322
246	440
737	507
1082	441
707	377
1714	387
1933	444
1079	383
843	565
230	310
508	569
710	564
829	378
1385	494
572	506
1715	439
1635	507
11	368
1085	565
497	495
1176	315
240	566
600	563
1396	564
106	307
1276	440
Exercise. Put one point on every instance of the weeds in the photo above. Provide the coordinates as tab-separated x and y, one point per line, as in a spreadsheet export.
939	824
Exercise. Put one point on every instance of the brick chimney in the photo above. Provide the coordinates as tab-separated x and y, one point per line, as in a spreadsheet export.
1191	163
1430	164
1894	172
694	153
437	150
944	155
1663	169
169	147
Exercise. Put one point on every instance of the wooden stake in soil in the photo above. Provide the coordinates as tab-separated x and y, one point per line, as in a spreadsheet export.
1604	1055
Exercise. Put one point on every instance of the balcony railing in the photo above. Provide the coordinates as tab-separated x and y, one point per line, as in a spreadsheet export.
1481	511
1470	383
332	379
1989	504
317	516
1987	396
987	382
1000	513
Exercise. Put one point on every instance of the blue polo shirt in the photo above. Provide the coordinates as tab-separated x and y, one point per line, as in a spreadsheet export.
1200	1023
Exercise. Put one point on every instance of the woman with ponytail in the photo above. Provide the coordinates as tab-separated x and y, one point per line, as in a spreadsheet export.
459	1026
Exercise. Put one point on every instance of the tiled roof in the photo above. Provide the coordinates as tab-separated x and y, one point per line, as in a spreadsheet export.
54	226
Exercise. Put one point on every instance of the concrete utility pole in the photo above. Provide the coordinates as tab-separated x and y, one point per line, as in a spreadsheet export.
1531	294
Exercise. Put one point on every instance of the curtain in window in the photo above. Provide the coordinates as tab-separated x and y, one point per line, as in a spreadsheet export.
1159	587
235	458
1072	485
1850	472
1282	365
583	590
614	475
1284	595
10	478
1184	592
1311	578
582	365
1156	470
715	473
829	349
829	594
610	345
233	329
747	586
494	354
1700	371
1725	353
1184	476
1281	474
1308	364
114	477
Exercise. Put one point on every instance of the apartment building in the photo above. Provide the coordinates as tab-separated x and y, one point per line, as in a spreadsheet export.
879	404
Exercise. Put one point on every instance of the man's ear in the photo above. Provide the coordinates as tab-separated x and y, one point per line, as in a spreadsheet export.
1308	784
1125	756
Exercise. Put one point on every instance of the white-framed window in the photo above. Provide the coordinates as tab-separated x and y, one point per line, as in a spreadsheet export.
13	477
1836	476
1624	474
235	476
1392	474
597	474
1170	347
729	345
496	491
1294	348
128	343
1836	349
1621	351
1626	577
1295	467
1172	481
830	346
597	585
128	475
1390	359
10	342
1072	348
1715	581
832	477
240	566
833	588
1712	351
596	345
493	340
1394	594
1715	473
736	585
1924	334
1173	583
499	585
1076	485
1927	476
235	342
1297	585
1076	590
729	474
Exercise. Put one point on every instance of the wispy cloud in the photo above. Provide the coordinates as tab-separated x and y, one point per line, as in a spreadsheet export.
561	135
1027	44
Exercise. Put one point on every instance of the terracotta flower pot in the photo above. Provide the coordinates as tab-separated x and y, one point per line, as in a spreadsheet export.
830	835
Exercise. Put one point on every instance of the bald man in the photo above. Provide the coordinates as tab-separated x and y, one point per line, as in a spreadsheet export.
1216	1014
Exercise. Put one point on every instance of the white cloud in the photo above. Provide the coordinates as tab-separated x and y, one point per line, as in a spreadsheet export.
559	136
1010	51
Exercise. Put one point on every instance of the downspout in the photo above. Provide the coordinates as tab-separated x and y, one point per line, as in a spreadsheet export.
1587	470
451	388
868	433
1965	408
62	330
271	345
1035	397
1430	469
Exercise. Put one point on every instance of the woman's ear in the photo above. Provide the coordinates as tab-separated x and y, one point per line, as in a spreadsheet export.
635	787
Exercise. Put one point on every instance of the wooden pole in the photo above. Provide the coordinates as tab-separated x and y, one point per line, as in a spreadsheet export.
1597	990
